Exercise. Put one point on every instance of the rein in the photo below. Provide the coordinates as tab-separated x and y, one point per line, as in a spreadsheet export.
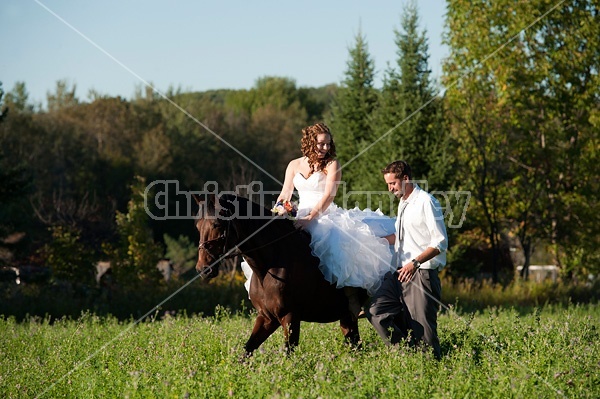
270	242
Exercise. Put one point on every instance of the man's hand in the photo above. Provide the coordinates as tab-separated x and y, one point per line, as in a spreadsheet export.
406	272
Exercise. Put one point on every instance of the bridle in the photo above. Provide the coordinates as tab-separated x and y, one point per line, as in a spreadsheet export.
204	246
223	255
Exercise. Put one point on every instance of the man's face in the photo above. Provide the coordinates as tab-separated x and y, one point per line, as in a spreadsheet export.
395	185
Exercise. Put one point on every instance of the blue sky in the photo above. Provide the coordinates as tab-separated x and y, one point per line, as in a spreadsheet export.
196	45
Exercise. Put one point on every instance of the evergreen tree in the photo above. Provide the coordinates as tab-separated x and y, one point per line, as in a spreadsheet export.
63	97
15	179
136	254
18	98
181	252
3	108
409	114
351	113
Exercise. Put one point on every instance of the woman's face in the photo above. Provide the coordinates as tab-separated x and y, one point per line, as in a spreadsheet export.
323	144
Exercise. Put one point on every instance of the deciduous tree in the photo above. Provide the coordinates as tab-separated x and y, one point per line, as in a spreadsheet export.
522	106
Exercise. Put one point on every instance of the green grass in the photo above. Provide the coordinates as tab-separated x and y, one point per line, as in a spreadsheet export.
495	353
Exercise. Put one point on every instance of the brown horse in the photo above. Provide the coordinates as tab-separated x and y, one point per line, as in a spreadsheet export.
287	286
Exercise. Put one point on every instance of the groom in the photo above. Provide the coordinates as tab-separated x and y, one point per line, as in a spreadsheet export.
409	298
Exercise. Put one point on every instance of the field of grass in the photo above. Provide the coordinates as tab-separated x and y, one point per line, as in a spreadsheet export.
547	352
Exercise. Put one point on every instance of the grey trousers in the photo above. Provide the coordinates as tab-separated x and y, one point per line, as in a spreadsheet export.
397	308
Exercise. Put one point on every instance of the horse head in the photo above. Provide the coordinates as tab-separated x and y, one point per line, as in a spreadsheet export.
217	236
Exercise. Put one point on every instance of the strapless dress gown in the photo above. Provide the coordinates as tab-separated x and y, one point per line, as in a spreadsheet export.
348	243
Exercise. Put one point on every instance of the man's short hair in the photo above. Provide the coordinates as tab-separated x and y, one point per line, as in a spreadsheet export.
399	169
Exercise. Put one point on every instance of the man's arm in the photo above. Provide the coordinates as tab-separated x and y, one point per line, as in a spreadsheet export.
391	238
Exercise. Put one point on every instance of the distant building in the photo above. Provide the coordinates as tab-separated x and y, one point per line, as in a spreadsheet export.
540	273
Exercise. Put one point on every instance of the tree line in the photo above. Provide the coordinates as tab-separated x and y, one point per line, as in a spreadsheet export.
515	126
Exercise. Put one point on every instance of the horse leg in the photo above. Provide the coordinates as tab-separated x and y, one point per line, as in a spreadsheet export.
349	326
263	328
291	331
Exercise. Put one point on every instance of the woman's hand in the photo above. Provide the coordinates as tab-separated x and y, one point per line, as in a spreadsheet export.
304	221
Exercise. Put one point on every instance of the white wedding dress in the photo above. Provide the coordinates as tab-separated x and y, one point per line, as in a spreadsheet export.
348	243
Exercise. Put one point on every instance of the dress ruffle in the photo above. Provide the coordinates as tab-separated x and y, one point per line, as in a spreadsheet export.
350	246
248	274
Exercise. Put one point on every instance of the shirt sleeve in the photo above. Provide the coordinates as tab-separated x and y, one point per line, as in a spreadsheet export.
435	224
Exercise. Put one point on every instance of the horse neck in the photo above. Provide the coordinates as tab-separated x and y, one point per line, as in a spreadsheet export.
260	244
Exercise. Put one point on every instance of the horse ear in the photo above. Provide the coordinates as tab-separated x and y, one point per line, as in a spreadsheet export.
212	204
211	199
225	205
206	204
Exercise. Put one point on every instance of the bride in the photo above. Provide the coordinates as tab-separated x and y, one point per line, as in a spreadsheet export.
348	243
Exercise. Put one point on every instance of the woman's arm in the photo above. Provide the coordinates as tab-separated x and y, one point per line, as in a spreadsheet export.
334	176
288	184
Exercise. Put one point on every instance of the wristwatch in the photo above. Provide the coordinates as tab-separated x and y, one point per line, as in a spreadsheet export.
416	263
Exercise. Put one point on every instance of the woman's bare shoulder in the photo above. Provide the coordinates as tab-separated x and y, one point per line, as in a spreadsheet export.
295	163
333	169
333	165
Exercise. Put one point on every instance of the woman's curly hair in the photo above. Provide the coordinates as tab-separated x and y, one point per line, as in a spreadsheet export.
309	146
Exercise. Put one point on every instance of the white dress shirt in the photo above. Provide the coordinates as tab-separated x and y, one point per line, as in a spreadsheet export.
422	227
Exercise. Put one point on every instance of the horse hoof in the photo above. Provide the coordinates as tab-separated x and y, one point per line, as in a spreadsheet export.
244	358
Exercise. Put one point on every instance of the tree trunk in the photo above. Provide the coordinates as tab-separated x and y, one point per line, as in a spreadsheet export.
527	250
